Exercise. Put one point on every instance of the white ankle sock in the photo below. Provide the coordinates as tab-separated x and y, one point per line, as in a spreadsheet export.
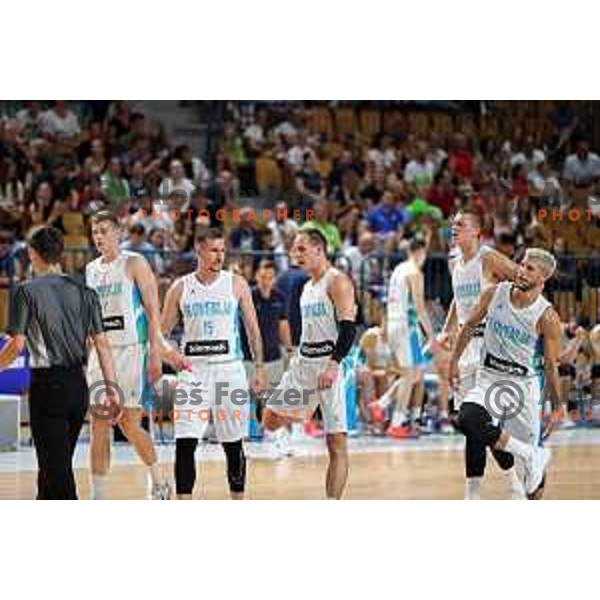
99	485
473	488
154	474
512	478
398	418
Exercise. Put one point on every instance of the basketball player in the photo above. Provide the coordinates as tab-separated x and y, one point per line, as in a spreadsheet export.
515	318
316	376
473	268
208	301
128	295
406	315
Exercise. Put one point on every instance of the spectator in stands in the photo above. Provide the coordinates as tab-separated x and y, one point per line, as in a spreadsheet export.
581	172
359	261
114	185
323	223
245	237
176	181
194	169
60	119
388	217
136	242
460	160
419	172
160	260
8	265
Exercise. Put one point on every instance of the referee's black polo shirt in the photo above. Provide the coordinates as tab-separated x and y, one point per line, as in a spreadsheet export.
56	314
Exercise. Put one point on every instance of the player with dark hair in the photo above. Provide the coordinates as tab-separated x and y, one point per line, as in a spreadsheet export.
208	301
406	319
317	375
56	317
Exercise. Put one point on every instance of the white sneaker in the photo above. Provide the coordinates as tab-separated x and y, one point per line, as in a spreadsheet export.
161	491
535	469
518	493
281	444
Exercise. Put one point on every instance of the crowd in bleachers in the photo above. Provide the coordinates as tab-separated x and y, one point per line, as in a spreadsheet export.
373	175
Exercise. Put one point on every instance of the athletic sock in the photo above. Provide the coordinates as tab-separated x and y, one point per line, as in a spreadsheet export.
519	449
398	418
154	474
443	415
99	485
473	488
388	396
516	487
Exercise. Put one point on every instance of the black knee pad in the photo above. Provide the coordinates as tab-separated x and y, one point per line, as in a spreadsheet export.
473	419
236	465
185	465
504	459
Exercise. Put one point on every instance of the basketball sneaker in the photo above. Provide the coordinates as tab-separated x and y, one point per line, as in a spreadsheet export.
161	491
402	432
376	412
535	470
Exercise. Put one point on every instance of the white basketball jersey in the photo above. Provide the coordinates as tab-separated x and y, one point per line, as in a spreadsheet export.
319	324
510	340
401	310
468	282
210	319
123	314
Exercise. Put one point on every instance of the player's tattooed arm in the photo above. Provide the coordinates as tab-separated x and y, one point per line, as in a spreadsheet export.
146	282
242	291
468	329
169	318
550	328
498	267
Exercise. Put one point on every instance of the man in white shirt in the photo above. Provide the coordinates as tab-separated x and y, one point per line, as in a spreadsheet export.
60	120
176	181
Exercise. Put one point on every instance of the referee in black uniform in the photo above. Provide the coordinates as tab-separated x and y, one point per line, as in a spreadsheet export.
56	316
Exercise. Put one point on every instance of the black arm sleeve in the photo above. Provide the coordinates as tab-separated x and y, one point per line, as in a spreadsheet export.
95	324
346	335
19	312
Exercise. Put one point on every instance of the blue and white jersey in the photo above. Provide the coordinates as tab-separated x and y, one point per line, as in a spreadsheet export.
510	341
468	282
210	320
401	308
125	320
319	324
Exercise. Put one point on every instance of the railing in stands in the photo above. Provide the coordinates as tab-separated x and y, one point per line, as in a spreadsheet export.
575	290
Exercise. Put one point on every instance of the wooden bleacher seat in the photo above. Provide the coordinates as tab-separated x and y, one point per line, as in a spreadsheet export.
370	122
73	223
345	121
267	172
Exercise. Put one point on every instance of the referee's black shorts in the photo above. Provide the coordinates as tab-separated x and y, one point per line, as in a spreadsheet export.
58	401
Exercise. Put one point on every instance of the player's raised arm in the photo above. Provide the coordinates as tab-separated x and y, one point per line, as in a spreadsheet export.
145	280
242	291
468	329
169	318
498	267
551	329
